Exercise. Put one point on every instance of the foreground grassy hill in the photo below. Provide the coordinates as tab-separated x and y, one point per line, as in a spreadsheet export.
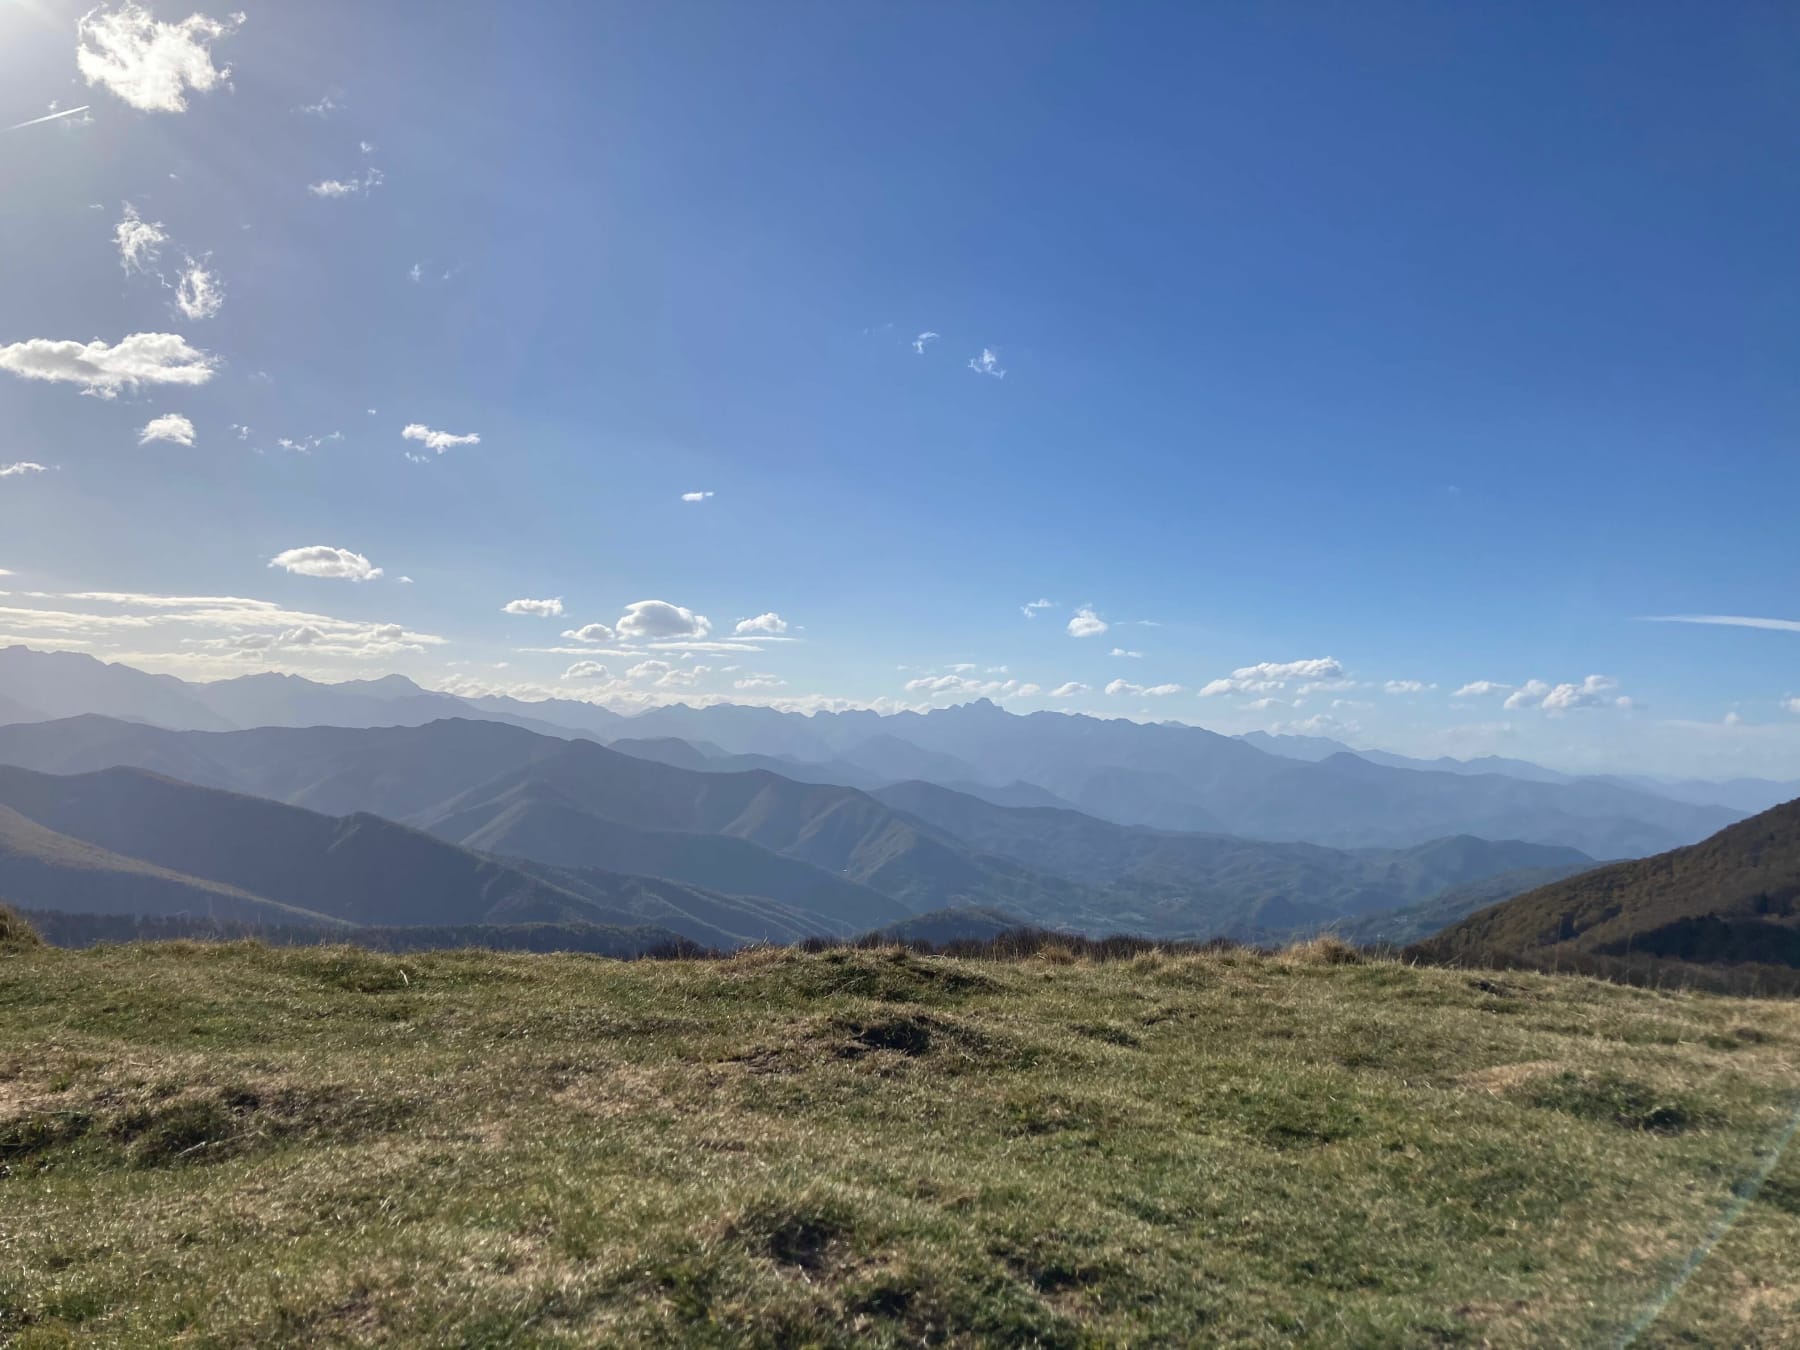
236	1145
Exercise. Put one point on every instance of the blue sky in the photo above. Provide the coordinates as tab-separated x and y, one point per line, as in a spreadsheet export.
1428	345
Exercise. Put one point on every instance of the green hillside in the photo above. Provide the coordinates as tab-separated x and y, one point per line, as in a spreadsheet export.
1732	898
242	1145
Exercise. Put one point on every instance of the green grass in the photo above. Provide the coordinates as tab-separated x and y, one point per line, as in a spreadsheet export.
238	1145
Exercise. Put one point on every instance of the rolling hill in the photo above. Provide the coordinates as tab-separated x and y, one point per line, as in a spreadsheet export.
1733	898
126	841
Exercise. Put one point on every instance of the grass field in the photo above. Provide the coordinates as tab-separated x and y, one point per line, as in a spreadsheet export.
235	1145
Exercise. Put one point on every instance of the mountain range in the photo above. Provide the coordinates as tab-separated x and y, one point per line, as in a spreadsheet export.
1166	776
747	854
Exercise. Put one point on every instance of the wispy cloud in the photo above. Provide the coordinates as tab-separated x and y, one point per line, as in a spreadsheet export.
987	364
199	294
18	470
1729	621
1031	608
695	496
365	182
924	340
138	240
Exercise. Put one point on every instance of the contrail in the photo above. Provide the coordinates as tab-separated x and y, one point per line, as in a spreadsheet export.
51	117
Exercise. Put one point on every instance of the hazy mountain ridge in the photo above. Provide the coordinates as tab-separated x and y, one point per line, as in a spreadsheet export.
753	848
123	840
1168	776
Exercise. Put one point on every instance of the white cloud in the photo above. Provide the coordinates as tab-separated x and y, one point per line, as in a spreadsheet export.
543	609
1593	692
148	64
1030	610
644	620
1733	719
439	441
1086	623
695	496
1596	691
139	240
987	364
1272	675
1481	689
1791	704
1118	687
1404	686
1070	690
198	292
370	179
935	686
1730	621
253	632
771	623
321	560
586	670
592	632
323	108
1531	694
171	427
758	682
1120	651
23	467
1266	703
103	370
924	340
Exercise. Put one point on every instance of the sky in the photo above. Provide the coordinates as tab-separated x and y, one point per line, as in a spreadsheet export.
1413	375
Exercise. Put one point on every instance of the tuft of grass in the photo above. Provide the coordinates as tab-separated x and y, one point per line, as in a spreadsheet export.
1044	1143
1326	950
15	933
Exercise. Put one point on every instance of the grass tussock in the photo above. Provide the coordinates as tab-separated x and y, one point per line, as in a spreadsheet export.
1049	1143
1323	951
15	933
